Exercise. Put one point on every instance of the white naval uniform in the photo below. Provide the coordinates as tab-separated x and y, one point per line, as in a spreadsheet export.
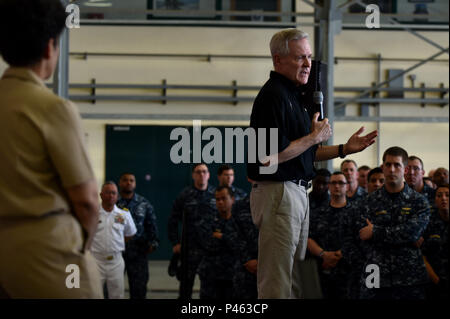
107	247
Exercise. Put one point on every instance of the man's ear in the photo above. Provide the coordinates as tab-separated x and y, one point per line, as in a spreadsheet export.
276	59
49	49
406	169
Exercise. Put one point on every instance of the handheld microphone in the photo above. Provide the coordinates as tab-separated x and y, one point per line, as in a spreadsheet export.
318	100
317	95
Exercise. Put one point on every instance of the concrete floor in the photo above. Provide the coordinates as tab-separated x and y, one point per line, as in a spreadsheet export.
160	284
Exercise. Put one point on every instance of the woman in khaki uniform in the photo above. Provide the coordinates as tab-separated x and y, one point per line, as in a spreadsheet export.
48	195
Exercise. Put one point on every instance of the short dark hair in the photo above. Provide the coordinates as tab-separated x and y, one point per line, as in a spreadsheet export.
415	158
364	168
376	170
230	191
26	26
323	172
224	167
337	173
396	151
197	165
444	185
126	173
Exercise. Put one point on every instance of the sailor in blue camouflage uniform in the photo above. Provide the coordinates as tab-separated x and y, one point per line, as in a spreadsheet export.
326	240
225	175
319	195
144	242
197	203
414	178
350	170
435	246
220	241
353	247
391	221
244	279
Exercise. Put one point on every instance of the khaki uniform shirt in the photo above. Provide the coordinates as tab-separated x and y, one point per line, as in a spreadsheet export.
42	150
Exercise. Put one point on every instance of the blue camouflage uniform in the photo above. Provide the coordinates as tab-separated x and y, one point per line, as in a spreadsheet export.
218	265
429	193
435	249
326	229
238	193
244	282
399	220
197	205
136	249
353	248
316	202
360	193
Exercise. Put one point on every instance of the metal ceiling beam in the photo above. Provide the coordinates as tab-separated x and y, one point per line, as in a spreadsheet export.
347	4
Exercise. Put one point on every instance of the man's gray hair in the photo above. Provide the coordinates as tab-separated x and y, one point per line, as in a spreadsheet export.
349	161
280	40
109	183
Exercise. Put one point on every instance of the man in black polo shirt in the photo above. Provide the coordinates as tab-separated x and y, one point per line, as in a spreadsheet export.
279	203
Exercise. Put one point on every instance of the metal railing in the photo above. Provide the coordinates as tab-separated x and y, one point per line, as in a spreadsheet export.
232	93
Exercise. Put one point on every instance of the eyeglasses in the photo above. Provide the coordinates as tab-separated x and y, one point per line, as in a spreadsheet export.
340	183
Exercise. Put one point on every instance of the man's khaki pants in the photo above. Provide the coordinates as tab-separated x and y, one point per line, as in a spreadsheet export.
41	258
281	212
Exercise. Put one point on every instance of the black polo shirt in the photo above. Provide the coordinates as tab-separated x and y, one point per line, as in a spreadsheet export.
279	105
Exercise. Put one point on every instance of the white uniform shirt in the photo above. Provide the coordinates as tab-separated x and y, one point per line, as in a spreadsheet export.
112	227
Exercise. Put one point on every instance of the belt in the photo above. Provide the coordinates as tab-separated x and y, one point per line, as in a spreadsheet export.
106	257
301	182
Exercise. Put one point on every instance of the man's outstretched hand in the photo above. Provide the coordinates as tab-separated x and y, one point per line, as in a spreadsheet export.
357	143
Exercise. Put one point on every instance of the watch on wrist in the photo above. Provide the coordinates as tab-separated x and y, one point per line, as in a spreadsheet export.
341	151
321	253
